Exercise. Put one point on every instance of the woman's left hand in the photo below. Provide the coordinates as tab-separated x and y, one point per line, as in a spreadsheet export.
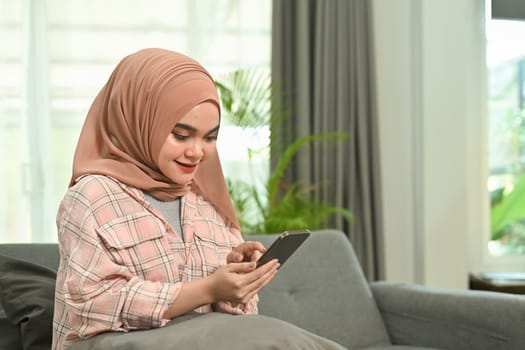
229	308
245	252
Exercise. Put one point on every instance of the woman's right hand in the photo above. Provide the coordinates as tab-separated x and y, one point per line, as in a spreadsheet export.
237	283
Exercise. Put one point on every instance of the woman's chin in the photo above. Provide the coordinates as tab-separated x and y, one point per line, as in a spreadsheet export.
182	180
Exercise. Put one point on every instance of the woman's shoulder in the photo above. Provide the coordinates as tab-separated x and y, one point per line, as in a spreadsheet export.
94	185
104	198
105	190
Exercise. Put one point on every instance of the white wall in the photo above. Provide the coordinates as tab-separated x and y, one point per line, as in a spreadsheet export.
394	84
430	71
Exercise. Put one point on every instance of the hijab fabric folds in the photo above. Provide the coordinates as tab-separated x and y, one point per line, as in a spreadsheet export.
146	95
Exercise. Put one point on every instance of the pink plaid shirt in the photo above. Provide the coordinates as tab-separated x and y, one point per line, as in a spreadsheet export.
122	264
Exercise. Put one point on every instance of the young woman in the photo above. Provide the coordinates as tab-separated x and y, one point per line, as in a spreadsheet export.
147	231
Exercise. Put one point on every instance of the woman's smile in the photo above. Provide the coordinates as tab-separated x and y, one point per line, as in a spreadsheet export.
187	168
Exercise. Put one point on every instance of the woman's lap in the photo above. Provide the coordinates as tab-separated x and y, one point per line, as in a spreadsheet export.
214	331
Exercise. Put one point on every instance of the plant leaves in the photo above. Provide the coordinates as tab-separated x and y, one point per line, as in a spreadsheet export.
509	210
249	101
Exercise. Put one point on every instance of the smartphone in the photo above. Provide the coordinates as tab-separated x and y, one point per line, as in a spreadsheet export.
284	246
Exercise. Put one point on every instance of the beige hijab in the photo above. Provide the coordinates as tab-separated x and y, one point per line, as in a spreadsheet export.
133	114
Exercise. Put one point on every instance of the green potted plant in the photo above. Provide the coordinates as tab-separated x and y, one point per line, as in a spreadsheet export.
273	206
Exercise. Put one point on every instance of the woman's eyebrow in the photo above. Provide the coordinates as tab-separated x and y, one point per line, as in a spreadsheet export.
215	129
192	129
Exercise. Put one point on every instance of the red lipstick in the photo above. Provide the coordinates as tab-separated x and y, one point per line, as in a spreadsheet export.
187	168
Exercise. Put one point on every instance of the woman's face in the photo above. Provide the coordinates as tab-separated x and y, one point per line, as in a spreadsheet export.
192	140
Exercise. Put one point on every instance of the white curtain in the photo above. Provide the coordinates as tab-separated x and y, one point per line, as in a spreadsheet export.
57	54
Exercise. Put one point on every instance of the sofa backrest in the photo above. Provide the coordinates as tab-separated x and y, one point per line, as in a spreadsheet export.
27	295
321	288
45	254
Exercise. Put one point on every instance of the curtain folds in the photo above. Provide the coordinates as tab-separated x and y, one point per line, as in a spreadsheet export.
322	61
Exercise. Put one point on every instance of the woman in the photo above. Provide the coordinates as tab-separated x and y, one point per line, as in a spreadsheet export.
147	231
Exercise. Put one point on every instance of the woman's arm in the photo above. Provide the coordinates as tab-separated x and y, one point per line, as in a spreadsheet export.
235	283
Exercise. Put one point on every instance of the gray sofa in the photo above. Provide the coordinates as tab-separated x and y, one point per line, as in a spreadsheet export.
321	288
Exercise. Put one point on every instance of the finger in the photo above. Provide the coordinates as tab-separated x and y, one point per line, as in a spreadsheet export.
249	247
256	256
256	286
234	256
256	245
242	267
253	281
260	271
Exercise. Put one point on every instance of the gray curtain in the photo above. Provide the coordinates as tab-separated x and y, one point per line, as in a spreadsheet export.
322	61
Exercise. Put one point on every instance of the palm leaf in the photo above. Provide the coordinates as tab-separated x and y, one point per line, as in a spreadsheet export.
284	161
249	101
245	96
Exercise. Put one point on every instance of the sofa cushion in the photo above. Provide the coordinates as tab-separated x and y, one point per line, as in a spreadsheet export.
27	296
321	288
400	347
215	331
9	333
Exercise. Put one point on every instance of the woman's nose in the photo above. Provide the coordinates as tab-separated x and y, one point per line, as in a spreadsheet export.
194	150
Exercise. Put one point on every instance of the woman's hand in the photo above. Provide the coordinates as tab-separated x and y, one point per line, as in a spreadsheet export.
237	283
232	285
246	251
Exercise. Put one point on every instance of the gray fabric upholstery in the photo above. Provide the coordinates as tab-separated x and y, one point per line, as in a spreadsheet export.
27	292
45	254
471	320
213	331
399	347
9	333
321	288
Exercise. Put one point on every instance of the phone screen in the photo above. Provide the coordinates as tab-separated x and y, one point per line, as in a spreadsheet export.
284	246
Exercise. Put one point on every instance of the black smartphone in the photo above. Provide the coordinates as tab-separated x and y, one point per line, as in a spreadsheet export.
284	246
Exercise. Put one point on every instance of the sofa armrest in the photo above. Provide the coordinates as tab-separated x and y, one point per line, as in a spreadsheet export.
451	319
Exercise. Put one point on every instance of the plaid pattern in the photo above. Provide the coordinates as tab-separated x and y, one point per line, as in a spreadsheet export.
122	264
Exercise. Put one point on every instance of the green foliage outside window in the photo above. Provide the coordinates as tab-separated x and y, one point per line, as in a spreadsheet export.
508	203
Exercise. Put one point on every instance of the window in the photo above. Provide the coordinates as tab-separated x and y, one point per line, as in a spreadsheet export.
56	56
506	183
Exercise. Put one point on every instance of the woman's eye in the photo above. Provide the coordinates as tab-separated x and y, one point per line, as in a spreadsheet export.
211	138
179	136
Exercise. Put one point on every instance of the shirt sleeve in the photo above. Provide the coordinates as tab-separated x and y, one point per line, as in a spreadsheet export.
251	307
247	309
99	293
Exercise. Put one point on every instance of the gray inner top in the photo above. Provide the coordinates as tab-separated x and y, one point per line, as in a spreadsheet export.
170	210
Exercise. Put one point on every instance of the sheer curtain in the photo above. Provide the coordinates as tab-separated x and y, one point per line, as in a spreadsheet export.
57	54
322	57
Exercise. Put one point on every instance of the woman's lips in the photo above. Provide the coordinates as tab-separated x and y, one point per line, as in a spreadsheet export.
187	168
